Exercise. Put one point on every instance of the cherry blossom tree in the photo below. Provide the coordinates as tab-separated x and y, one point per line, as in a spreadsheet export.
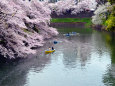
63	6
23	27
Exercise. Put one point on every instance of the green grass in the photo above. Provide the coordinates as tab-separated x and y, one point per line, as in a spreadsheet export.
64	20
70	19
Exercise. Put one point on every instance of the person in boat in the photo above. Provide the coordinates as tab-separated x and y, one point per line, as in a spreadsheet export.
49	49
67	34
55	42
52	48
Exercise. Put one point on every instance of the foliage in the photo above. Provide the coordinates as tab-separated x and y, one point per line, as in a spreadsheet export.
111	1
113	11
101	14
111	24
105	15
111	20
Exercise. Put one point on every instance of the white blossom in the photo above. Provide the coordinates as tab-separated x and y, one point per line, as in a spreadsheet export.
100	14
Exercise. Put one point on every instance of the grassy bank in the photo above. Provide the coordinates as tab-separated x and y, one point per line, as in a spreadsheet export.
74	20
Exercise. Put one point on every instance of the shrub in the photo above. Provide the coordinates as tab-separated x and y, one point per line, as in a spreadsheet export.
111	20
111	1
111	24
101	14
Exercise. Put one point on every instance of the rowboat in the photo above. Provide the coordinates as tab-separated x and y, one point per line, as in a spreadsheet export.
49	51
71	34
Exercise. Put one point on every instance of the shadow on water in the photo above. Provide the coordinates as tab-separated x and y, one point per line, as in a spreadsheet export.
87	59
15	74
109	77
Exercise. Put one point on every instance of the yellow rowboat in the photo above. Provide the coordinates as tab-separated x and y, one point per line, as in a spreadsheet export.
49	51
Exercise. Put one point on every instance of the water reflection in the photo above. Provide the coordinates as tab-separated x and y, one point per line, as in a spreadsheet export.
87	59
79	48
109	77
16	74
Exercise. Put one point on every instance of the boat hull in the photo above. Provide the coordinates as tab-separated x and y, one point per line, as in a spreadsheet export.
49	51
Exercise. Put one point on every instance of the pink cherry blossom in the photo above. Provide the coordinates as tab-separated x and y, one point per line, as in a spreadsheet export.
63	6
23	27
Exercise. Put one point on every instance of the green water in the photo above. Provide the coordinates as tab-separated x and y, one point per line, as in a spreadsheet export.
87	59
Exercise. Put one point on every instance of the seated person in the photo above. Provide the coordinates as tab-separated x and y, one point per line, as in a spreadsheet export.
49	49
52	48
